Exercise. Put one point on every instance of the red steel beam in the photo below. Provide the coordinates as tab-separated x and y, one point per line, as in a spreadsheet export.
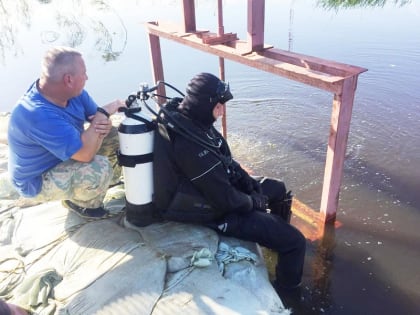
337	78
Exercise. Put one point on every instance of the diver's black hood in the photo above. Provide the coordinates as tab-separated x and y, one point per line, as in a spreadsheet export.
202	95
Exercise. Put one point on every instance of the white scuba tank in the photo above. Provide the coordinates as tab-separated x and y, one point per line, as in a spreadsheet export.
136	137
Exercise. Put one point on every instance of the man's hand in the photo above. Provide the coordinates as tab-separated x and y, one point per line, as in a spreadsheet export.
113	107
101	124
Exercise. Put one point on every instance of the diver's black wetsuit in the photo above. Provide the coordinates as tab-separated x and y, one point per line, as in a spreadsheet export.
200	183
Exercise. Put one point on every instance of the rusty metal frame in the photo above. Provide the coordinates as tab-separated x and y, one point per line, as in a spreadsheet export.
337	78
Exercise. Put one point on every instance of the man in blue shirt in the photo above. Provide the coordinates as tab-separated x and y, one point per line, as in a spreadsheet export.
51	155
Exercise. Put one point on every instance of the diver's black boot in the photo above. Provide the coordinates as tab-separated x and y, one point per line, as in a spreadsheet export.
291	297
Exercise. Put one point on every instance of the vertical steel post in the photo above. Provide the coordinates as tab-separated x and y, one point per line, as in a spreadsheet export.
189	16
157	64
337	144
220	32
256	15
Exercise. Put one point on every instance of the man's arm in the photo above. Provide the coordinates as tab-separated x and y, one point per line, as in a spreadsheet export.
92	138
99	128
105	112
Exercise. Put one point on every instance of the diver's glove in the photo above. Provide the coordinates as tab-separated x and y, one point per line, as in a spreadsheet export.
243	181
259	201
256	186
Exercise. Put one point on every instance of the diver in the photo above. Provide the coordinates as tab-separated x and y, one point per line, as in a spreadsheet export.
197	181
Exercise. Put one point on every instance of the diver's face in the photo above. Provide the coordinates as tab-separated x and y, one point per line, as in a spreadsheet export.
218	110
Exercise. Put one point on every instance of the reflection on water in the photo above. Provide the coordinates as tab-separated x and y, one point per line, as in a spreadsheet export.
75	18
340	4
10	24
66	23
318	297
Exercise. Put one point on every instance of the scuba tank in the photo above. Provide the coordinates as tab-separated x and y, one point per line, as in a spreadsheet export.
136	135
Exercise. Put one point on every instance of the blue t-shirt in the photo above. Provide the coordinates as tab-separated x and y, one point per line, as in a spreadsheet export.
42	135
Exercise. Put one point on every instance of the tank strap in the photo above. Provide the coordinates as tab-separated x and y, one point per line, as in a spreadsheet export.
151	125
167	120
133	160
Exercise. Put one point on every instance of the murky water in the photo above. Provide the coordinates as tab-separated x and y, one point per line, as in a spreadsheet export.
277	127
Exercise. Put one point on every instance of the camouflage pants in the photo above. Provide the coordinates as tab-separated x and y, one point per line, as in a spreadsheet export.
85	184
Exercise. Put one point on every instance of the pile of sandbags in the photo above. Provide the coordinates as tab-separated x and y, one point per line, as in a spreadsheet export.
55	262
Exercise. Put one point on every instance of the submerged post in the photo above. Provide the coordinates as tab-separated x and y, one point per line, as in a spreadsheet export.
337	144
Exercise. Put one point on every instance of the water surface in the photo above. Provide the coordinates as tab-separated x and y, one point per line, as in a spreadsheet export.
277	127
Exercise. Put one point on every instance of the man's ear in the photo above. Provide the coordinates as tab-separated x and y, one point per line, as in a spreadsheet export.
68	79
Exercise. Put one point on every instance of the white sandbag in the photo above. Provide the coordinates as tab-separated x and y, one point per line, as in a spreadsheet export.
133	286
39	228
177	241
12	271
34	293
4	124
106	269
7	191
87	255
252	275
204	291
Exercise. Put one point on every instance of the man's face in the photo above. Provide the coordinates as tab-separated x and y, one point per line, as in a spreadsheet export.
79	77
